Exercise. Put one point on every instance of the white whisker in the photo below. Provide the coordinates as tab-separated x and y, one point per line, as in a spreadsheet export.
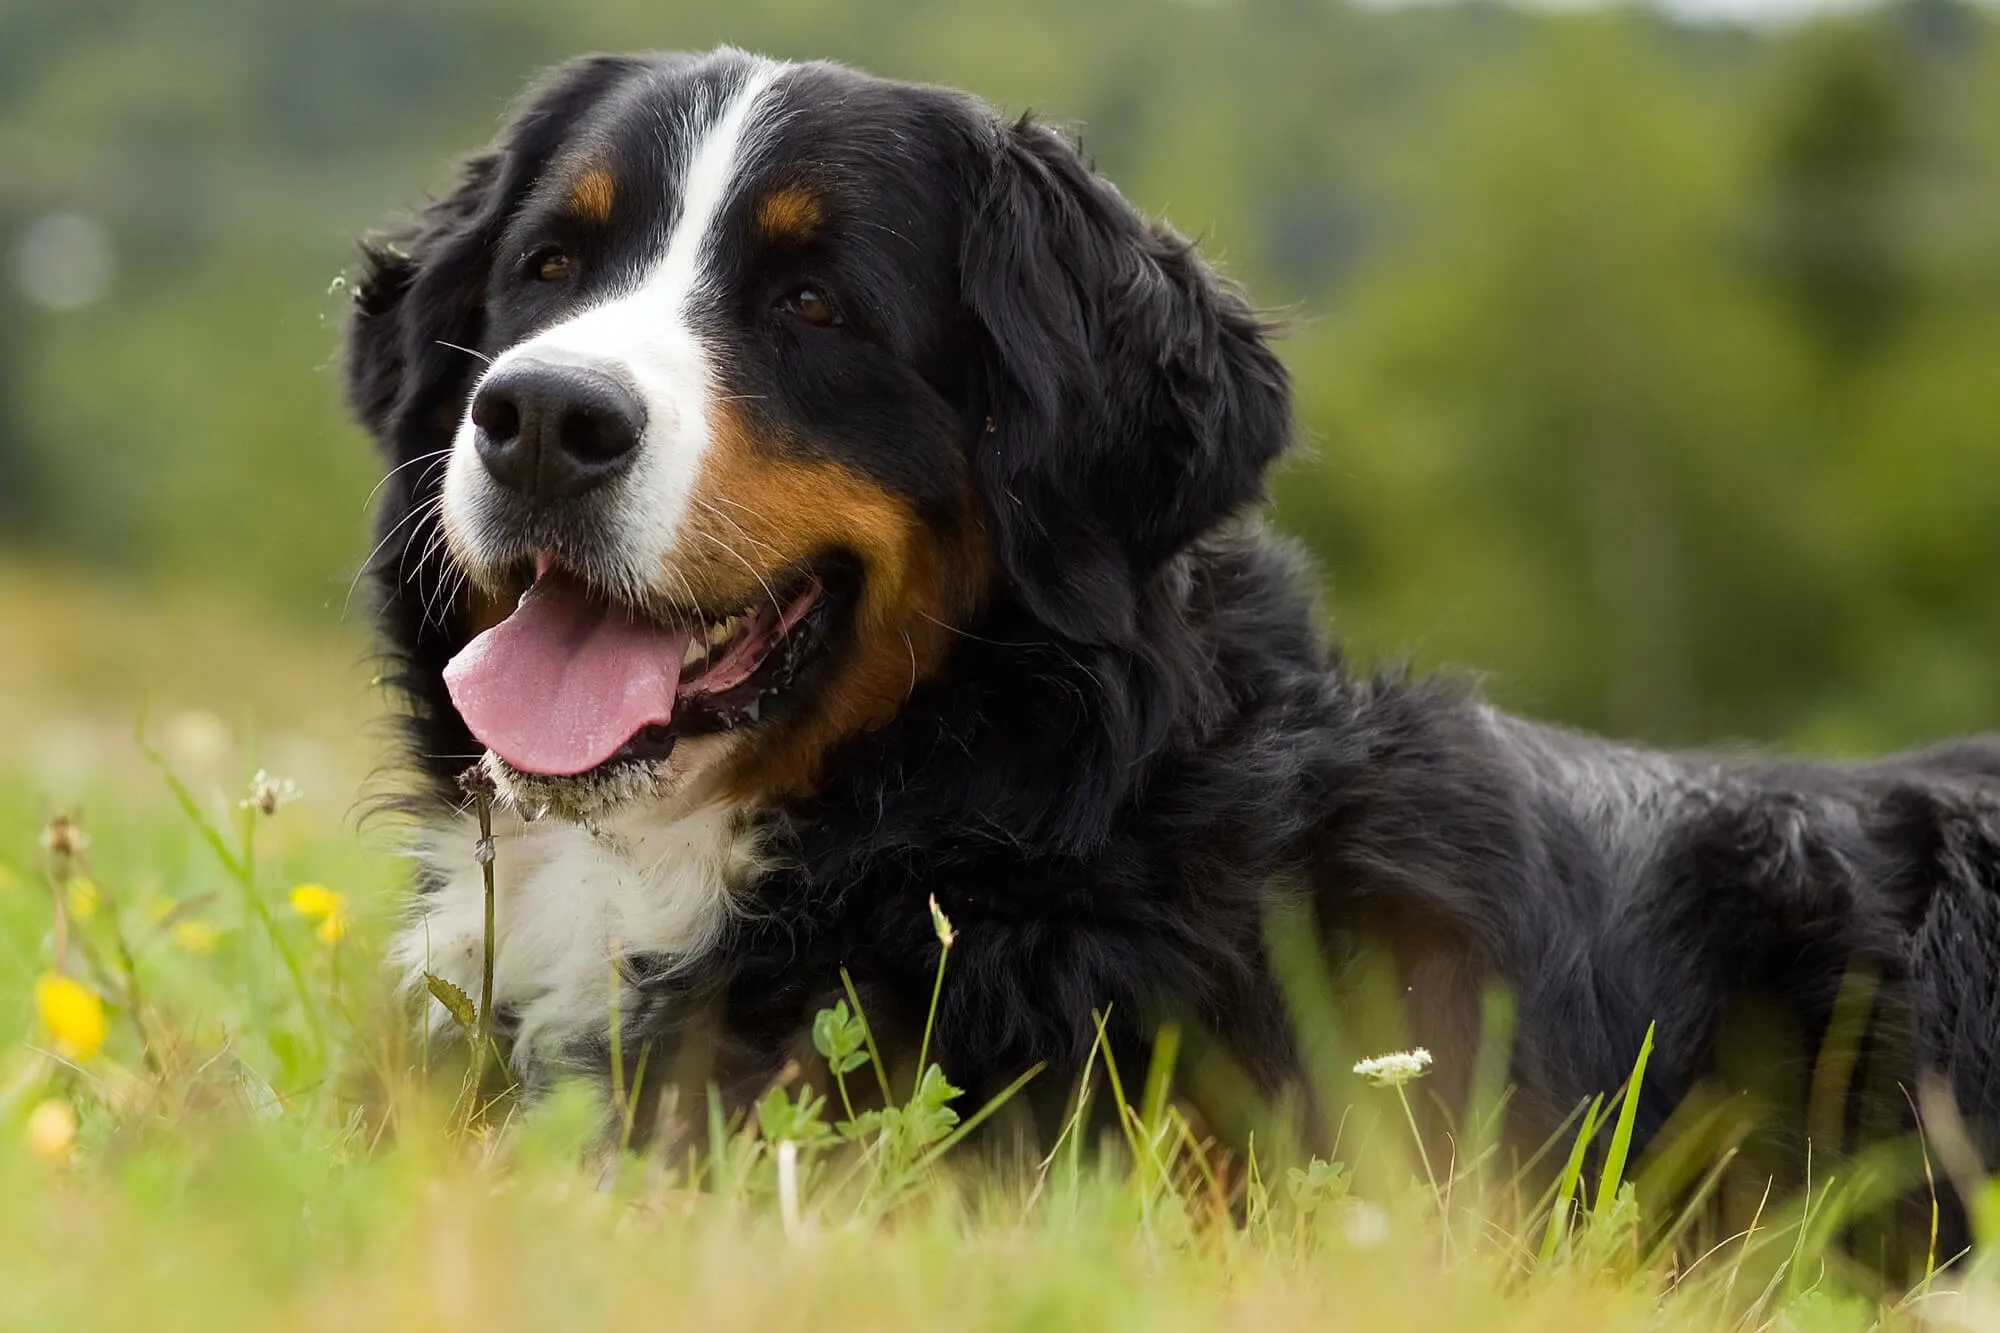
776	605
733	523
435	453
416	513
467	350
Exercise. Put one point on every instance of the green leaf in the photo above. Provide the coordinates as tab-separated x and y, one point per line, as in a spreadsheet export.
933	1090
826	1027
781	1117
456	1002
863	1125
839	1035
1319	1183
928	1118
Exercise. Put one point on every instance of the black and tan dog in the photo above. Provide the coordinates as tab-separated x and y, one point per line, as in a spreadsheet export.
812	493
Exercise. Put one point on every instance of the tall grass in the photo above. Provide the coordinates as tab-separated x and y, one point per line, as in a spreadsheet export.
253	1138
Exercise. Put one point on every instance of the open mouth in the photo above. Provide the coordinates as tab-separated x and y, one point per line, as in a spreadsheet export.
573	681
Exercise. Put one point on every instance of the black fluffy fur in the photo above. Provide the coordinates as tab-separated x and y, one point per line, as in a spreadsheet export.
1142	753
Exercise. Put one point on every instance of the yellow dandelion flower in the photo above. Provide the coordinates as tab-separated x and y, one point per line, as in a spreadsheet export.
196	936
72	1013
84	898
316	902
51	1130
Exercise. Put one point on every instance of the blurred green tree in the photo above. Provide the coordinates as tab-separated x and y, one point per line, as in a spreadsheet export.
1643	365
1837	183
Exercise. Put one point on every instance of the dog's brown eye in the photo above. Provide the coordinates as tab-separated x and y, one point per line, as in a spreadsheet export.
551	265
810	304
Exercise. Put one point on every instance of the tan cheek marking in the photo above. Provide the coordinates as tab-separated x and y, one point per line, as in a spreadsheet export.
917	586
791	213
590	198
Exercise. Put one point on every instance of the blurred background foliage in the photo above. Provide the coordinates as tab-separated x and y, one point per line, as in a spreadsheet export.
1650	369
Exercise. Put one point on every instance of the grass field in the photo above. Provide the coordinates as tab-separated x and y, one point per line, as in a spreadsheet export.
229	1127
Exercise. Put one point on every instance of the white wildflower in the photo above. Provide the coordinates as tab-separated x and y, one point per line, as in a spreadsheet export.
268	794
1365	1225
1396	1068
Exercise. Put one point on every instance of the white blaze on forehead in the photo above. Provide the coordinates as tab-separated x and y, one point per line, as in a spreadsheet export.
646	336
707	182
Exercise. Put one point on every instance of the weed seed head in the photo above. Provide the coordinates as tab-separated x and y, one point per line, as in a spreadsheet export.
268	795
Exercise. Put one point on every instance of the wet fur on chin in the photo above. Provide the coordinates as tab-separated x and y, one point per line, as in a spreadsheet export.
584	799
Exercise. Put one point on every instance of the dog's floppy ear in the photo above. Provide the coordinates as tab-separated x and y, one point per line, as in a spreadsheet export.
1131	398
418	291
419	301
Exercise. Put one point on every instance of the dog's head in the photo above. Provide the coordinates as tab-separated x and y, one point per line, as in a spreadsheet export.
721	394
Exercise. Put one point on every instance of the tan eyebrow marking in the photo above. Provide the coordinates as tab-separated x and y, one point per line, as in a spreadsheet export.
591	196
790	213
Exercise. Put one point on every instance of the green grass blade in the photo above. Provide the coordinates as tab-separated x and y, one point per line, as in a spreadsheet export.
1118	1097
243	871
1159	1077
1566	1184
1621	1136
192	809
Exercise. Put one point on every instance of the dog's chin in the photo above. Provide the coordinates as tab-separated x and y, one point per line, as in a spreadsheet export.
681	778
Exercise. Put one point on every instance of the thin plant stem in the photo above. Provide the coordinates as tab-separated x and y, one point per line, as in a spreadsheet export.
1423	1155
924	1049
840	1082
135	1003
615	1035
868	1036
60	930
480	787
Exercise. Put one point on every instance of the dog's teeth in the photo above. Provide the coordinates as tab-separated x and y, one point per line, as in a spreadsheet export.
721	632
696	650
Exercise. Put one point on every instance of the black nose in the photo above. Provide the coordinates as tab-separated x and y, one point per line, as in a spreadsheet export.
552	432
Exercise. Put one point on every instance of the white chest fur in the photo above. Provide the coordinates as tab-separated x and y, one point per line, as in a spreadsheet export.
567	902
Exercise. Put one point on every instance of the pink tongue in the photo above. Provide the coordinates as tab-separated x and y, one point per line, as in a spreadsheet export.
557	687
